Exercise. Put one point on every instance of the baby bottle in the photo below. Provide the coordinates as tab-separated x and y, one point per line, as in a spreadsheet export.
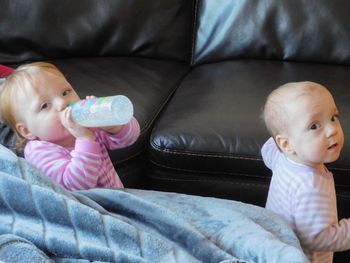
103	111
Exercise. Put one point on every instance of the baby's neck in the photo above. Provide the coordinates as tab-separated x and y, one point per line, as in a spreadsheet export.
320	167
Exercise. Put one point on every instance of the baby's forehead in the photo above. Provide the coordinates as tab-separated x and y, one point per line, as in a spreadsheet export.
290	99
34	81
292	93
27	87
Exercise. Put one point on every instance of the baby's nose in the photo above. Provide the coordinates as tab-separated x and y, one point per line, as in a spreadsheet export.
331	130
61	105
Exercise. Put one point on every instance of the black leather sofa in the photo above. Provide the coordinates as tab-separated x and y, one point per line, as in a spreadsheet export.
198	73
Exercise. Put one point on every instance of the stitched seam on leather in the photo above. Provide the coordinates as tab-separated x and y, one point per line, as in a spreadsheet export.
223	180
149	124
209	155
226	182
339	169
343	185
206	172
194	30
210	181
167	151
138	153
344	196
232	183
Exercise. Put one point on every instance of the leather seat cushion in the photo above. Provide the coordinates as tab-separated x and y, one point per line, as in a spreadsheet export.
213	124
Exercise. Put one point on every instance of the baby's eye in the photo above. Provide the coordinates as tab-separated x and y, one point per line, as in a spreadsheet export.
44	106
314	126
335	117
66	92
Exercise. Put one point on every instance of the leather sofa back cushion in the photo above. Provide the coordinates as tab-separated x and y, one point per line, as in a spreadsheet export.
295	30
48	29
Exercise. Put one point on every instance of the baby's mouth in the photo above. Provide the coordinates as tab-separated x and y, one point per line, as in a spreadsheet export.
333	146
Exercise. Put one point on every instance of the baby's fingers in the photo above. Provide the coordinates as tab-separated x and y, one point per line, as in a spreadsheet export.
66	117
90	97
69	117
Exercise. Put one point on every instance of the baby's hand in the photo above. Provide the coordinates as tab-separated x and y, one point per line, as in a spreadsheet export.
75	129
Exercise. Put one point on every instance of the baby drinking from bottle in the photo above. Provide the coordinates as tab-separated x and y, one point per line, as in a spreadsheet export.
34	102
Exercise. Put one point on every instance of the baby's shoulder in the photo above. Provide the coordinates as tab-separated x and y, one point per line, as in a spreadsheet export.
38	143
34	146
311	182
293	177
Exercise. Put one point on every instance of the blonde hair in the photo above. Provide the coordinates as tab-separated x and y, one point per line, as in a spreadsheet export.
18	82
275	113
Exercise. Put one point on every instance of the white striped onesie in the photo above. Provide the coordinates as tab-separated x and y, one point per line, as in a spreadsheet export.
87	164
306	199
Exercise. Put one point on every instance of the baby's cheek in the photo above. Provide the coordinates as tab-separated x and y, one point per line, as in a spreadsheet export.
317	152
54	125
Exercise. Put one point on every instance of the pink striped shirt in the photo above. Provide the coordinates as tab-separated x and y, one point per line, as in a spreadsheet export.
87	164
306	199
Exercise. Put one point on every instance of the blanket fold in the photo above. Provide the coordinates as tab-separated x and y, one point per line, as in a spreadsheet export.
129	225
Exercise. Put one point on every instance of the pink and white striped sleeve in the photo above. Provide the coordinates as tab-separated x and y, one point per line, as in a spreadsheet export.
75	170
317	226
125	137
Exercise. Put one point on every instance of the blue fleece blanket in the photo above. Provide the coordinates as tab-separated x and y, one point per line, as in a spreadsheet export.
42	222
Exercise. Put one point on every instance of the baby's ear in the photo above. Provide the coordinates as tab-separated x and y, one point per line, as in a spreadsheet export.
284	144
24	131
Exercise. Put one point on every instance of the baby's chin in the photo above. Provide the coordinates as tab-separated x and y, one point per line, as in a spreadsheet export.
332	159
65	140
